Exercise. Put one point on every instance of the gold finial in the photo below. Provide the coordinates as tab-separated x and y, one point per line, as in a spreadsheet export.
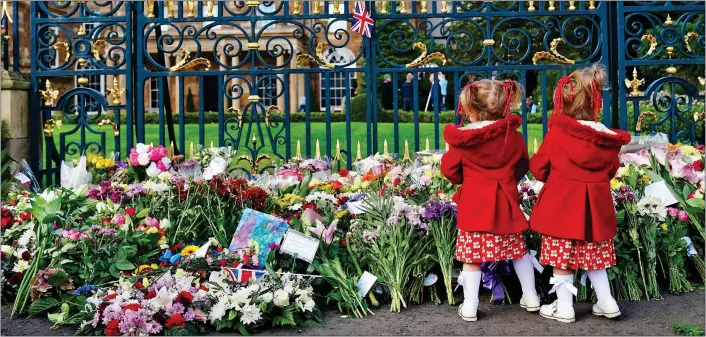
81	31
170	9
298	155
384	147
253	140
318	150
316	9
295	8
671	69
171	149
530	6
591	5
635	83
209	8
406	157
338	150
49	95
82	80
49	125
383	6
358	156
151	144
572	5
551	6
427	146
191	151
116	91
535	145
150	9
423	10
336	9
5	13
401	7
212	141
443	7
668	21
190	9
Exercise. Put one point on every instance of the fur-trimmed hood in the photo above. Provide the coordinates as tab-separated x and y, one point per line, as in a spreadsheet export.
487	145
586	146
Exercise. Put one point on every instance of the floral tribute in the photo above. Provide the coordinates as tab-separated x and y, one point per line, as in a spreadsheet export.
143	249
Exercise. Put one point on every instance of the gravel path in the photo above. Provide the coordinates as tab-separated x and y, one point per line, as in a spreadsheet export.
639	318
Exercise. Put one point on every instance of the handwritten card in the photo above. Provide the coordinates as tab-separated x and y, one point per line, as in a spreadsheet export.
257	229
661	191
299	245
366	282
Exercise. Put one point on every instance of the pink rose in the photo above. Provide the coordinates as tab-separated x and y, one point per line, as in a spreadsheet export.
683	216
673	212
118	220
133	157
158	153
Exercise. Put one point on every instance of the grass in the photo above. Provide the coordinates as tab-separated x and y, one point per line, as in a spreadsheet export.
318	131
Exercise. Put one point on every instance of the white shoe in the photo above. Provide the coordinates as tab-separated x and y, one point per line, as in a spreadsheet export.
608	309
468	312
552	311
530	303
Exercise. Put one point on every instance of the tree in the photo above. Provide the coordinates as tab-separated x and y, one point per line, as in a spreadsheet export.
190	106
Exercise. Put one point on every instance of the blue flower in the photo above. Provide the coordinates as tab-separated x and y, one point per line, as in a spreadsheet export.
87	290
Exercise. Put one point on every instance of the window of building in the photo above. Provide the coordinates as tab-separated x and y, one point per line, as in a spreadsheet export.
154	94
337	82
267	90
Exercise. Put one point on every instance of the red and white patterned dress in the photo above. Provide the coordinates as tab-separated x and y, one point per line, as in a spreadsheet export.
478	247
577	254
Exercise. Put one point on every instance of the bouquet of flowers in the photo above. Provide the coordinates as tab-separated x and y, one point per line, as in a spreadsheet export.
441	218
673	249
149	160
214	160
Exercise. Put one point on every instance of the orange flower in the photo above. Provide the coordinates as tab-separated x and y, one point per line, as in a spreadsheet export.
368	176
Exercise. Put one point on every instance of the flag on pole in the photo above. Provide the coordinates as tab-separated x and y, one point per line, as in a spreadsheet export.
362	21
243	275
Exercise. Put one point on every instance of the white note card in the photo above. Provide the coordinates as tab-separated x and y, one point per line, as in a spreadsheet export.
366	282
303	246
661	191
355	207
322	175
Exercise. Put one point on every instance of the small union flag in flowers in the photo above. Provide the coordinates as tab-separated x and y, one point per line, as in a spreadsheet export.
362	21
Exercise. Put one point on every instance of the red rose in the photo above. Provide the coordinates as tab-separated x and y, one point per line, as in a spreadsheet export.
175	320
222	263
132	306
139	285
16	278
25	216
111	296
309	205
396	181
698	165
150	294
26	255
6	222
113	328
343	172
130	211
344	243
163	264
219	250
184	297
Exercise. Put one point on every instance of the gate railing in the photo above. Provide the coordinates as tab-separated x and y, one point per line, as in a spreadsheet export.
276	74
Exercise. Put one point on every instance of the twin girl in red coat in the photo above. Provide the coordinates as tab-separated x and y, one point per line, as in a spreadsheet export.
574	211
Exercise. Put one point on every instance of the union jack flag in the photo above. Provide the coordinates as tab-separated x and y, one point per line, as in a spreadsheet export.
362	21
243	275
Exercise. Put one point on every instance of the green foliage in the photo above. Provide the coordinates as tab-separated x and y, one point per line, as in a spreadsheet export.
43	304
683	329
190	106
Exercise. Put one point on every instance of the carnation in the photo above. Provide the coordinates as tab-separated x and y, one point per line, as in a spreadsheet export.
281	298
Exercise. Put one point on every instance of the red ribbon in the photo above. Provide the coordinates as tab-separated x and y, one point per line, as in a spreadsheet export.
596	100
509	86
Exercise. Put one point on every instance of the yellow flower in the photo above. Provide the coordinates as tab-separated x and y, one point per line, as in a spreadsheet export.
145	267
341	214
145	281
623	171
152	230
188	250
100	163
664	226
616	184
180	272
645	179
689	150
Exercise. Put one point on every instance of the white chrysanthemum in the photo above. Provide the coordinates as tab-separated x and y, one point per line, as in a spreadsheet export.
20	266
652	206
250	314
281	298
240	298
8	250
320	196
219	309
266	297
253	288
295	207
26	237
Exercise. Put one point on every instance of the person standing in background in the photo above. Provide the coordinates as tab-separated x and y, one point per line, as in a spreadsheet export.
531	107
302	104
387	92
443	85
408	93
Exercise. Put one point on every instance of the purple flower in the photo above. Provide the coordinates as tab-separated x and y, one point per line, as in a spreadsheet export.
175	308
273	246
135	323
370	236
357	197
625	195
189	315
434	210
136	190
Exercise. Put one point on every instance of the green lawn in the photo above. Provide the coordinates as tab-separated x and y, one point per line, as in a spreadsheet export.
318	131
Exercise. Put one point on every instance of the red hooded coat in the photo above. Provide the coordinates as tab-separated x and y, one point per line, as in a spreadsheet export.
488	168
576	163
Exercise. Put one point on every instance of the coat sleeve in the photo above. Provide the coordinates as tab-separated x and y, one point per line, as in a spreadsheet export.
615	165
452	166
540	164
523	165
